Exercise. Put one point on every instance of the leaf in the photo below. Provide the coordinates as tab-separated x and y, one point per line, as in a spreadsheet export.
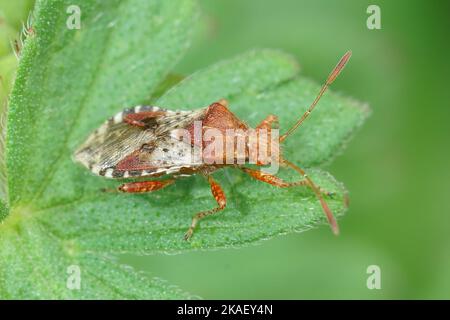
59	216
7	33
36	265
8	65
67	78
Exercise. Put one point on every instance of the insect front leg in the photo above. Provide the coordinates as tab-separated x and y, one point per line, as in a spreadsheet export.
145	186
219	195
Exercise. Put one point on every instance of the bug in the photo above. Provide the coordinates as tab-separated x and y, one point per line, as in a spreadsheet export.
140	143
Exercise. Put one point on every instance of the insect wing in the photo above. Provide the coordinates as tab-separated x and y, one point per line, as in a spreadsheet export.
119	149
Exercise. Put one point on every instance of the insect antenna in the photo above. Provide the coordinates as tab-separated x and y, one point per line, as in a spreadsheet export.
333	75
330	217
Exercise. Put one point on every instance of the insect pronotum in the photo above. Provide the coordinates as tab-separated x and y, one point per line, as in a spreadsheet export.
147	141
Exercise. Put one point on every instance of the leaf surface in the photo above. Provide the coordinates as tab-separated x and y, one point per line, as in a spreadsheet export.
70	81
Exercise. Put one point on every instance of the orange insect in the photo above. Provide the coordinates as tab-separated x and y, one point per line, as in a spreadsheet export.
148	141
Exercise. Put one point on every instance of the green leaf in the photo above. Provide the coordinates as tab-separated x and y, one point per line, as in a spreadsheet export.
70	81
255	90
36	265
146	224
171	80
8	65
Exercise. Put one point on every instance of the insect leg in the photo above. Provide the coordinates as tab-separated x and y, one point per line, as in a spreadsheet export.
219	195
331	219
145	186
267	122
278	182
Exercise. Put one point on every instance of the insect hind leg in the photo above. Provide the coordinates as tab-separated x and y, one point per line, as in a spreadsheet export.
219	195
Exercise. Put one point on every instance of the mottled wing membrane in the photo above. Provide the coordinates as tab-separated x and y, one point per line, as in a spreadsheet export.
119	150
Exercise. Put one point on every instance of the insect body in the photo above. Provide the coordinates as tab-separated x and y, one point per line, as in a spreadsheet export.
148	141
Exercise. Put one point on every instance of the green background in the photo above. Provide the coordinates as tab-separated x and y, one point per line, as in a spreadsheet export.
396	168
